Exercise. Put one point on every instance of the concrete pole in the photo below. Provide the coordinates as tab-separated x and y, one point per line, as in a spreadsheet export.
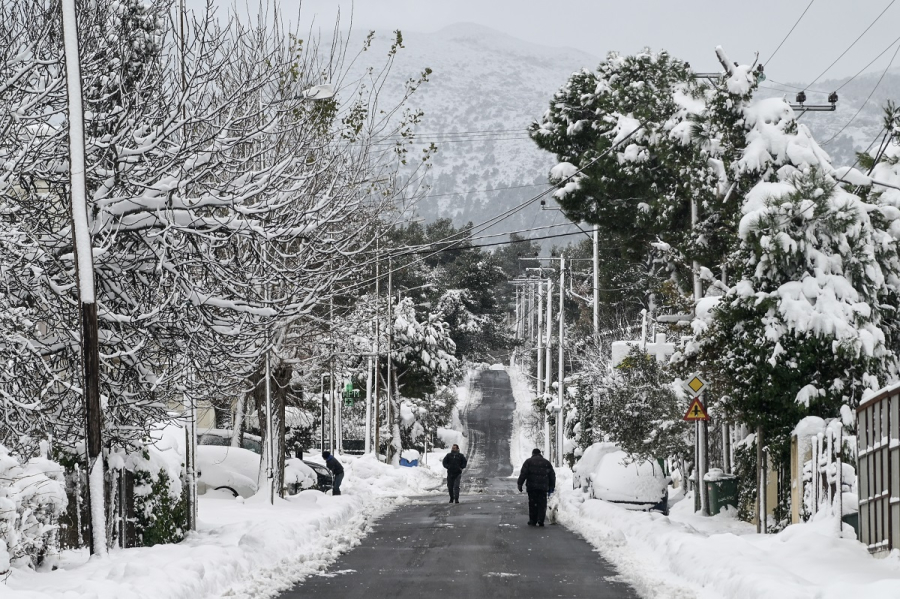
322	410
377	344
540	340
726	448
548	354
532	315
390	330
702	450
596	285
368	444
518	310
270	445
561	419
760	484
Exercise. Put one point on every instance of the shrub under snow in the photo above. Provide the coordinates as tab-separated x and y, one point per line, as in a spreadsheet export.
32	497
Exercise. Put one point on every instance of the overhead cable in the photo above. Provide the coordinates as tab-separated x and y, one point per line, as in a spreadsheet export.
789	32
854	42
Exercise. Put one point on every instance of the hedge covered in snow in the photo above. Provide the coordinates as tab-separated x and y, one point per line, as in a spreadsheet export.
32	497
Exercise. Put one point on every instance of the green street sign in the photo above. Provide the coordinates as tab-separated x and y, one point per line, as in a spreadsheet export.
350	394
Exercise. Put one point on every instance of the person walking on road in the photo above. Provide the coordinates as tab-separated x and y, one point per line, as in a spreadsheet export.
455	463
337	472
537	473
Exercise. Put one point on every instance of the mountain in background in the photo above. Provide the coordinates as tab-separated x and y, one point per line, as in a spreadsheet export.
487	87
485	90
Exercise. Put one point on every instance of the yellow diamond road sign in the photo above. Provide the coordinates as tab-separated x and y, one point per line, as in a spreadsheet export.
695	384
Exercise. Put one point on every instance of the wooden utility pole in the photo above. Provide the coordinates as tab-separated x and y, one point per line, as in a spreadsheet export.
84	268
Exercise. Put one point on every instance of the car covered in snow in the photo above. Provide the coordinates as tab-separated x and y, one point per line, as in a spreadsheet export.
222	436
608	473
236	470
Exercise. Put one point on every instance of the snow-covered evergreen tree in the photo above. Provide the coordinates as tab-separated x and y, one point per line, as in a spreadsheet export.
808	325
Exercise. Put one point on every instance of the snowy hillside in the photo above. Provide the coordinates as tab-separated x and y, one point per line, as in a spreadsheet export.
488	82
484	81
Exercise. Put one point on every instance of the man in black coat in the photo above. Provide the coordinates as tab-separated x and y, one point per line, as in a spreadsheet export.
538	474
337	472
455	463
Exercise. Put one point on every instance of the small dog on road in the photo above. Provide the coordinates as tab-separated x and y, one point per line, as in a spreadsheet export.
552	508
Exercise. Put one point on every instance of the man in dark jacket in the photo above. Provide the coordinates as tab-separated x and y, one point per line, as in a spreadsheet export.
337	472
538	474
455	463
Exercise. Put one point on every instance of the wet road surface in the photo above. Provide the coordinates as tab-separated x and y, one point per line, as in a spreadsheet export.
478	548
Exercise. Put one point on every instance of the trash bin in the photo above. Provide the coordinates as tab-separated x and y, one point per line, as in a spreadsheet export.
722	490
853	520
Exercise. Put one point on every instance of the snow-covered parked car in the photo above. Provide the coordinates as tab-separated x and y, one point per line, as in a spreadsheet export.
222	436
608	473
237	470
222	467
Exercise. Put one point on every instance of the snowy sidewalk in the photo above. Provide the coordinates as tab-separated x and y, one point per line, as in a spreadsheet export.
685	555
242	548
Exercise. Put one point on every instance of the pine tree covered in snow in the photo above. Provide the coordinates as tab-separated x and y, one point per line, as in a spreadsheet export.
810	322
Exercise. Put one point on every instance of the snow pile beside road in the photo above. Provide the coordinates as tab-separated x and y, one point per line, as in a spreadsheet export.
367	476
243	548
686	555
522	442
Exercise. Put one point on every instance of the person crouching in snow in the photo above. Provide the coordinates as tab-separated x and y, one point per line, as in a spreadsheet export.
337	472
538	474
455	463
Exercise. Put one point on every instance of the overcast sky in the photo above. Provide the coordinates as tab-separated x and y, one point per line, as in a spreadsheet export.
688	29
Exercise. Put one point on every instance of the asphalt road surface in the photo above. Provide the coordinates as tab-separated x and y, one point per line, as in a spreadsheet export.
478	548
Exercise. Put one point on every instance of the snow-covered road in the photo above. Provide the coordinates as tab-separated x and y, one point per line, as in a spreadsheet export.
480	547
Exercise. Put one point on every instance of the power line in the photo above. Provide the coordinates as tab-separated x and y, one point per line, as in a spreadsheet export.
891	45
447	141
854	42
863	105
459	133
794	87
528	230
498	218
460	193
507	242
789	32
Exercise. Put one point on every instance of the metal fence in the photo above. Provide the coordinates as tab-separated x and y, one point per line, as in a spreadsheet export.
878	438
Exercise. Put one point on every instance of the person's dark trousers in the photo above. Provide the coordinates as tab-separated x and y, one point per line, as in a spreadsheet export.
537	506
453	485
336	485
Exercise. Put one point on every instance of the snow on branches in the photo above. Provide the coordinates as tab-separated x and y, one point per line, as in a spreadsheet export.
224	207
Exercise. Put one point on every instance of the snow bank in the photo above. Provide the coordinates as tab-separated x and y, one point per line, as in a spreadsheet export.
686	555
243	548
521	443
